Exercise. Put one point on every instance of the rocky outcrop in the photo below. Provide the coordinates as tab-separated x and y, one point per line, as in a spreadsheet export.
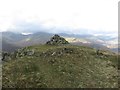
57	40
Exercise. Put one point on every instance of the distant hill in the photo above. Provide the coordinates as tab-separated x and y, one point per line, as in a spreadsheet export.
98	42
12	41
8	47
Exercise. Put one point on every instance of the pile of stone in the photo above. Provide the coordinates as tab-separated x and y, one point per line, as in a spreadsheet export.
57	40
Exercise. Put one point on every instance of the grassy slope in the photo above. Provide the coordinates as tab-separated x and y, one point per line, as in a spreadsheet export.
61	66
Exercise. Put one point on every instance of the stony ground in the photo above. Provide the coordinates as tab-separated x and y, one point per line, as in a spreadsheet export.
62	66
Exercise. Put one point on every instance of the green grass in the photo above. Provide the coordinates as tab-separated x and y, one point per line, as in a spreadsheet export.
61	67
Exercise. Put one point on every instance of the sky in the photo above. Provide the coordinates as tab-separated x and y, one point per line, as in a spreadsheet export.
71	16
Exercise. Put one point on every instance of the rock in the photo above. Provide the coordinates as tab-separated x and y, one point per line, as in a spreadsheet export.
53	53
57	40
5	56
30	52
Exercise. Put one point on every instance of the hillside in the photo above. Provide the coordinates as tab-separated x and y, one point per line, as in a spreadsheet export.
60	66
8	47
12	41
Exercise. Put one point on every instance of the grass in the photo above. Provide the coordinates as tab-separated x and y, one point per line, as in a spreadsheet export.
61	67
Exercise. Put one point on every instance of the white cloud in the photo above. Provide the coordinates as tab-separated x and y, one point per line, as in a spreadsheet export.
101	15
26	33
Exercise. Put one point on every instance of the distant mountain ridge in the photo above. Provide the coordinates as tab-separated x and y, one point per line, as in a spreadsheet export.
8	47
19	40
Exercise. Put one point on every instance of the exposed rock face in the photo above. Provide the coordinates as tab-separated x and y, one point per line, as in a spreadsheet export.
57	40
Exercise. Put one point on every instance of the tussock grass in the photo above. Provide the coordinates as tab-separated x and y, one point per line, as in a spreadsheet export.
64	66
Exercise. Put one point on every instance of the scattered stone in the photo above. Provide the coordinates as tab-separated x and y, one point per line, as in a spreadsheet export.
30	52
53	53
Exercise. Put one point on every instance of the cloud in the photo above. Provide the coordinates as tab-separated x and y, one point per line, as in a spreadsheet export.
92	15
32	27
